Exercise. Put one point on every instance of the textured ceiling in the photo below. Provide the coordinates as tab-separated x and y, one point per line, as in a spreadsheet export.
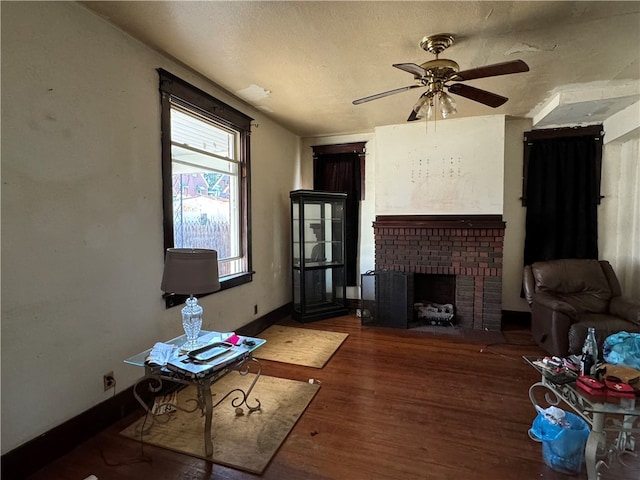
303	63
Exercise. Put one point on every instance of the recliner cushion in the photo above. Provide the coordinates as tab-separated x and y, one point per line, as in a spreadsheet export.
579	282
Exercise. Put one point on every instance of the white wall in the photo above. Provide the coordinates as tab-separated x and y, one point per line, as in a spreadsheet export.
453	166
619	213
514	215
82	243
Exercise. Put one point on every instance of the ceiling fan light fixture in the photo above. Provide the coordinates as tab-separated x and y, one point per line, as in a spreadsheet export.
424	107
447	105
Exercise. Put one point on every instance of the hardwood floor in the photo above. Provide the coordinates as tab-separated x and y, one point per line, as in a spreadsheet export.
394	404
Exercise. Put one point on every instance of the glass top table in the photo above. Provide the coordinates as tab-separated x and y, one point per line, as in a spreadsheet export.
613	427
205	337
242	361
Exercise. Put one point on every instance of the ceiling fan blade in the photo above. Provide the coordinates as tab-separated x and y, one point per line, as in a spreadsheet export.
505	68
417	70
384	94
472	93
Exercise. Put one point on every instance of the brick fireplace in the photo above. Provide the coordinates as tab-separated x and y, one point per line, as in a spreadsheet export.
467	246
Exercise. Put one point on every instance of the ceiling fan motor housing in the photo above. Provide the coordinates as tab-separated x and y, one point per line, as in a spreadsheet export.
440	68
437	43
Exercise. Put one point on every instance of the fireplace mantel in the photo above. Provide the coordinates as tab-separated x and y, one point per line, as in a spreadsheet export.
439	221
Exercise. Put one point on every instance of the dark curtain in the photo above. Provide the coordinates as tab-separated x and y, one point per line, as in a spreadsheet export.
340	172
562	192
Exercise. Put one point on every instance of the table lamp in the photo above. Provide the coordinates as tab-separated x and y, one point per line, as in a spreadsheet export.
190	271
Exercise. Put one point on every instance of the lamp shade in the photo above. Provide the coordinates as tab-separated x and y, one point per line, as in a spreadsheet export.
190	271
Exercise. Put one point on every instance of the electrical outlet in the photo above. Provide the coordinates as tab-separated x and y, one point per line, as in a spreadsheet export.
109	380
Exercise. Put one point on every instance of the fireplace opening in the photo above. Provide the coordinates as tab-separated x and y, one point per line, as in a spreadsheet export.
407	300
433	299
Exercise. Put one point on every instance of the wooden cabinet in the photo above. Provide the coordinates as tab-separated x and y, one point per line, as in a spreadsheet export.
318	254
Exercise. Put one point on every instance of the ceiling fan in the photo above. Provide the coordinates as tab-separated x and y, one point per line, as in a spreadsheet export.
436	74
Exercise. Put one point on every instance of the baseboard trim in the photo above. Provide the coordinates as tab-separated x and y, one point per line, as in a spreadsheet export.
35	454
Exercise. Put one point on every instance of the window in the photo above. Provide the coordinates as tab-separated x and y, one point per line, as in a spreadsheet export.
205	176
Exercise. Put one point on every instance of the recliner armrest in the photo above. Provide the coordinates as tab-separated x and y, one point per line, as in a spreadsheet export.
554	303
625	307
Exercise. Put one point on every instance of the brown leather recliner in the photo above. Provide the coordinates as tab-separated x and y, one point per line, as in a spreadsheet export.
570	295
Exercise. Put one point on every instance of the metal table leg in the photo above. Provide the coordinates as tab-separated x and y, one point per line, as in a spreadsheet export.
205	392
204	401
596	441
208	406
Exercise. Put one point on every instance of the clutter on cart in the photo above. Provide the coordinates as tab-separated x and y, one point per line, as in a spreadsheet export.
622	348
558	370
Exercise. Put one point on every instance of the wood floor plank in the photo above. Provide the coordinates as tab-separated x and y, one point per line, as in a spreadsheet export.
394	405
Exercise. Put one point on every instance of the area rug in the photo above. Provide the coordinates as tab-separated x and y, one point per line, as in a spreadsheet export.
247	441
300	346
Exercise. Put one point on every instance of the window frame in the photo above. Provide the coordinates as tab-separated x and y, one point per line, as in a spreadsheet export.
174	89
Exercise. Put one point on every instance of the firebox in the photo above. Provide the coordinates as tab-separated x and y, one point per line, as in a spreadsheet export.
434	299
406	299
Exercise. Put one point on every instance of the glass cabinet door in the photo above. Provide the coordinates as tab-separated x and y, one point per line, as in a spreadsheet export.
318	267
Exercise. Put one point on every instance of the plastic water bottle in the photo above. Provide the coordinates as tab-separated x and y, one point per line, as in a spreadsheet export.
589	358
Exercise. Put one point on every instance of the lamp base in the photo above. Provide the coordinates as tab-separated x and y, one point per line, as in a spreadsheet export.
188	346
192	323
